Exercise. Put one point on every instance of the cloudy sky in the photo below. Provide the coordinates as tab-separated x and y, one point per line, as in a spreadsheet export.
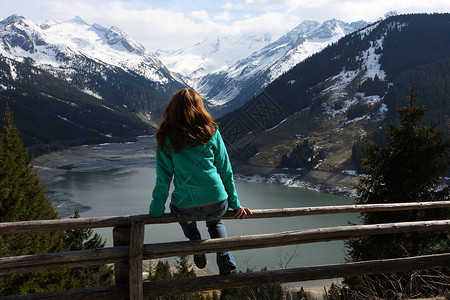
173	24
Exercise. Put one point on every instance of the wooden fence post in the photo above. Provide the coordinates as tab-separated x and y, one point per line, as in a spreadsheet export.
136	257
121	237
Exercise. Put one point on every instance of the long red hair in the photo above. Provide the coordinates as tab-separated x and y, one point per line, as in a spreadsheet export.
186	123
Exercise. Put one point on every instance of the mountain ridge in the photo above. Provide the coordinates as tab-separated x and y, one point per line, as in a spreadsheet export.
225	90
211	55
345	93
347	90
115	80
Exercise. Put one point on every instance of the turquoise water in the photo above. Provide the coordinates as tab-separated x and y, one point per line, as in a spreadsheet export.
122	185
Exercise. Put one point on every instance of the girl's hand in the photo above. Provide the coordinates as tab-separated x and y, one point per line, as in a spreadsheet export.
242	212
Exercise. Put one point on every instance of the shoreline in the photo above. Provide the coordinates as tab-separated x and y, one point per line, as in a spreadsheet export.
51	166
315	180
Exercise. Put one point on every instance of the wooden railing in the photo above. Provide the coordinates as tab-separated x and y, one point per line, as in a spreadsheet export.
129	251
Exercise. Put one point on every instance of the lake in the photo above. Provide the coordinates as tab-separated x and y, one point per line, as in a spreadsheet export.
118	179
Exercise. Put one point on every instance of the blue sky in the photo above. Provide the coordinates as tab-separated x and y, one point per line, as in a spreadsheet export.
174	24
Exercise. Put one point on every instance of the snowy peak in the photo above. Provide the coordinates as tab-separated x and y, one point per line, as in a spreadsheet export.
251	75
61	44
326	30
344	94
211	55
81	35
78	20
299	32
331	28
85	83
12	20
119	40
9	20
18	32
222	68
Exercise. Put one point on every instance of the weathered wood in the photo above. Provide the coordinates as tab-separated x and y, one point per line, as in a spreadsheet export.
45	267
10	265
118	221
124	253
170	249
121	237
236	280
94	293
73	223
70	259
136	257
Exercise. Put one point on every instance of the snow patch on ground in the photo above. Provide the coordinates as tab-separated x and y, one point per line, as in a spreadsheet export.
296	181
13	71
92	93
337	90
270	129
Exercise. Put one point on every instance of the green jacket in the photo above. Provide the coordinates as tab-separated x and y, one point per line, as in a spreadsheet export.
202	175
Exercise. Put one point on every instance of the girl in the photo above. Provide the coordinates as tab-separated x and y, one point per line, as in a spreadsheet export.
191	151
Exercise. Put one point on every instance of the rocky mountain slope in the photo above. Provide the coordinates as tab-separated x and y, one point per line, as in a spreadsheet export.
230	89
229	72
345	93
73	82
211	55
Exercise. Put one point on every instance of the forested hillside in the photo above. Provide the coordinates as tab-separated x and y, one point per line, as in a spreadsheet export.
50	109
344	93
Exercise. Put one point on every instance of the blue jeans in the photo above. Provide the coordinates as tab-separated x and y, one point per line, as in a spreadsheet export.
216	228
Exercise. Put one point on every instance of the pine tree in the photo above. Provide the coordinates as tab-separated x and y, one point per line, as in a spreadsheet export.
22	197
83	239
161	272
302	156
184	269
409	169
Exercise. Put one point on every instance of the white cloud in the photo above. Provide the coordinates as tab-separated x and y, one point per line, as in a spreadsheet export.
200	14
167	24
167	29
275	22
224	16
230	6
374	9
284	5
153	27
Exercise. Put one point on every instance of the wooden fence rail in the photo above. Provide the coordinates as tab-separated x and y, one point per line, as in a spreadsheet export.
119	221
129	251
83	258
296	274
159	288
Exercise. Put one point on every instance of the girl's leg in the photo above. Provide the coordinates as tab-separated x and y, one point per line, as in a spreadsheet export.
225	260
190	230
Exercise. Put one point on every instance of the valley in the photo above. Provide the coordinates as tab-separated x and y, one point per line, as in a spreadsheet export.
325	85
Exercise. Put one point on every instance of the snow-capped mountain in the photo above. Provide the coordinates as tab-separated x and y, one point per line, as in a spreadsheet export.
345	93
231	88
305	40
62	44
84	83
212	55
